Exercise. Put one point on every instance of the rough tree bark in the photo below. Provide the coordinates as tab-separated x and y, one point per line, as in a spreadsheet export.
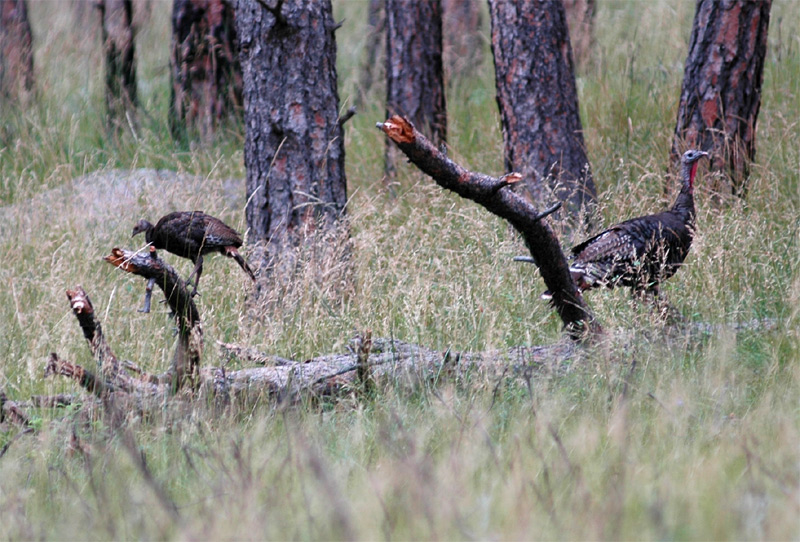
205	71
16	52
580	19
414	76
118	45
496	196
721	92
538	102
294	149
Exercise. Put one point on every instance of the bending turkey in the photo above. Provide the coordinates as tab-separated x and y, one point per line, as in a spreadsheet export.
193	234
642	252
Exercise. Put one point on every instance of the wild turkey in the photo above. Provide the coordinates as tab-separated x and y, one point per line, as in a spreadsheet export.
193	234
642	252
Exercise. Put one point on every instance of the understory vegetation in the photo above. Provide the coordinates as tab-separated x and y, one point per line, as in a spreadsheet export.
660	431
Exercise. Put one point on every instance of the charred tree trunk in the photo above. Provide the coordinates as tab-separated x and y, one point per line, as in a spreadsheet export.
538	102
205	71
414	77
16	52
118	44
721	91
496	196
580	19
294	149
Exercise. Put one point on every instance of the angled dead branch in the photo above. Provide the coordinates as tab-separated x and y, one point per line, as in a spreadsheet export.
519	212
186	361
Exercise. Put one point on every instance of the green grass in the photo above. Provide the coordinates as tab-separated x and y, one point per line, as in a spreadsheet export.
698	441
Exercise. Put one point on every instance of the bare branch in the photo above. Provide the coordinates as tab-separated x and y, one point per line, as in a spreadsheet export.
186	361
349	114
86	379
521	213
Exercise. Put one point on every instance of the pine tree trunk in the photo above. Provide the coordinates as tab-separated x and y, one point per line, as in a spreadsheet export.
462	42
721	91
118	42
414	77
205	72
538	102
294	147
16	52
376	26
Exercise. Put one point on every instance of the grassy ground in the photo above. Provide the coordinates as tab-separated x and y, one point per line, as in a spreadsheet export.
698	441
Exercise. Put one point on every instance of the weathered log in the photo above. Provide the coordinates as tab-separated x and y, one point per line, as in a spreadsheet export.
389	360
383	360
87	380
493	194
250	354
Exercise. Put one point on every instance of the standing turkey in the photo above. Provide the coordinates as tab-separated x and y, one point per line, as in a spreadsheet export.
193	234
642	252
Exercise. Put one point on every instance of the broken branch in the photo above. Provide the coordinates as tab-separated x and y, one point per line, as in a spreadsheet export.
522	214
186	361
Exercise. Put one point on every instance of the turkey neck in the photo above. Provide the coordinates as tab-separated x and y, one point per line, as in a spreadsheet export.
684	204
148	235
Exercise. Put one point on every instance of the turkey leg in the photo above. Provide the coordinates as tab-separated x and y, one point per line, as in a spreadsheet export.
198	270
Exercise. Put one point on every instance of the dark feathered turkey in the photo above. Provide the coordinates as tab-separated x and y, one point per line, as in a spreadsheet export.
193	234
642	252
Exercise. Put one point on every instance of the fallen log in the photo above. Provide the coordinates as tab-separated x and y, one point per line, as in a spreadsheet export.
372	362
122	387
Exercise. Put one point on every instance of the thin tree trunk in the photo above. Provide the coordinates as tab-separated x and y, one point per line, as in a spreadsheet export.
118	44
16	52
294	149
205	71
414	76
538	102
721	92
580	18
463	45
376	26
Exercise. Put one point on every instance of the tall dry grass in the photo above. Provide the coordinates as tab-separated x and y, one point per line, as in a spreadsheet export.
659	432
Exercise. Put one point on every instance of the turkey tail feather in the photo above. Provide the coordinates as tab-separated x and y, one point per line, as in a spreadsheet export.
233	253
